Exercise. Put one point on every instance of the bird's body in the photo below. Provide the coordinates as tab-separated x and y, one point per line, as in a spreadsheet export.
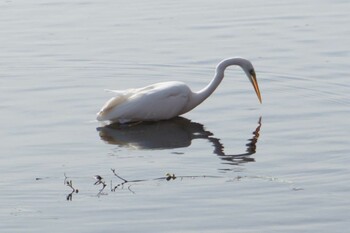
151	103
162	101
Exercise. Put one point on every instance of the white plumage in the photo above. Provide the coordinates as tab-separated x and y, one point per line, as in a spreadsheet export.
166	100
151	103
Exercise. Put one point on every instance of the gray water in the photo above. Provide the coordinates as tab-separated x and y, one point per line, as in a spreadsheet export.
282	166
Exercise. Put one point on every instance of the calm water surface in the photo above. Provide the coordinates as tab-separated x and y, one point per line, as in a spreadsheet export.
282	166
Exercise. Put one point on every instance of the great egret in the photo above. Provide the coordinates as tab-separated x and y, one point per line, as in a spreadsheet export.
162	101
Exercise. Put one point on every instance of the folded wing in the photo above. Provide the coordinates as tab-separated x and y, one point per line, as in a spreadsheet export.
155	102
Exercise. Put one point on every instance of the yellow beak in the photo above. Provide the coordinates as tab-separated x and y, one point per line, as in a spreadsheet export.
256	86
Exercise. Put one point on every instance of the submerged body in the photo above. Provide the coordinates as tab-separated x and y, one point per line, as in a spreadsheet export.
162	101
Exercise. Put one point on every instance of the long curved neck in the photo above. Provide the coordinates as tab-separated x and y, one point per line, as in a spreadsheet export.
198	97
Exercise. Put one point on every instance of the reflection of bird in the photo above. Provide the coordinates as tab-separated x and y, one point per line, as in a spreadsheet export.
166	100
175	133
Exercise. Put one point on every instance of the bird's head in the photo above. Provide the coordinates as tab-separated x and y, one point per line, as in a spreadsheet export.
247	67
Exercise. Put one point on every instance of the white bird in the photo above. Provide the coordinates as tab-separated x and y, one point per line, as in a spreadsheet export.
162	101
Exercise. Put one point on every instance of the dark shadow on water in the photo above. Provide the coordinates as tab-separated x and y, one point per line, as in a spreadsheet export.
176	133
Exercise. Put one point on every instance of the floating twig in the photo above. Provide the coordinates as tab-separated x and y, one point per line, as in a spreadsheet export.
100	181
129	188
113	170
168	177
69	183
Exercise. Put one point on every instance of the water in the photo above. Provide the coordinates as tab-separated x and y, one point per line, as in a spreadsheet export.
287	173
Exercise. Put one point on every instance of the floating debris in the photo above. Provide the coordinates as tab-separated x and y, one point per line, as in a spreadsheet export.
170	176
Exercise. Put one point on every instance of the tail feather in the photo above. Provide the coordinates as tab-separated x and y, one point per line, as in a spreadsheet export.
117	92
102	115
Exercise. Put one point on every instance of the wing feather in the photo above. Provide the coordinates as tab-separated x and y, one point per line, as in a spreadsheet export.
155	102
